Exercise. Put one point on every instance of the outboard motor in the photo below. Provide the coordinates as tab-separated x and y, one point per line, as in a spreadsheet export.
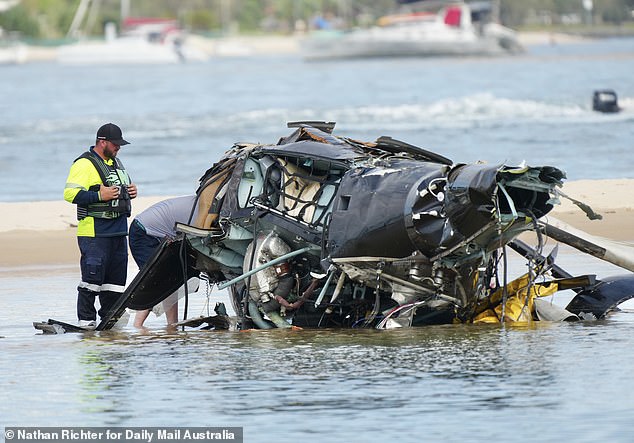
605	100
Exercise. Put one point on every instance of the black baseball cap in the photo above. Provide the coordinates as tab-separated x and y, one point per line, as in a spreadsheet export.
112	133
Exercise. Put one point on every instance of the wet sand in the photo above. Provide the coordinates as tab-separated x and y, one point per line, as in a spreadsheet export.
43	233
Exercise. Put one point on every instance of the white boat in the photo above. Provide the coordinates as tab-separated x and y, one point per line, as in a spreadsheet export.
145	41
12	50
13	53
457	29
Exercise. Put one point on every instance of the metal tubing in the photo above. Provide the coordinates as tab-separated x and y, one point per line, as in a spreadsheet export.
323	290
264	266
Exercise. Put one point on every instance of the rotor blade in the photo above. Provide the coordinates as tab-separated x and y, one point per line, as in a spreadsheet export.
616	253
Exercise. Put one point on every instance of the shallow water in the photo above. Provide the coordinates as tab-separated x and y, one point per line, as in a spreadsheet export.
445	383
544	381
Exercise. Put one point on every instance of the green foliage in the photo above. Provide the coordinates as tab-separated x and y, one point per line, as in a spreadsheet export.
18	19
52	18
615	11
249	14
200	20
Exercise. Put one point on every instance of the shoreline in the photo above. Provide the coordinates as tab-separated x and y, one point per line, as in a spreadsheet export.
35	234
43	233
262	45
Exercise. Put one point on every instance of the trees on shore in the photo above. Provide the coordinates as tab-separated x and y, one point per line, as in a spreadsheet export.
51	19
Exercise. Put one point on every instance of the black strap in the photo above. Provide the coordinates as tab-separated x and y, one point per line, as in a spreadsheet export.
101	166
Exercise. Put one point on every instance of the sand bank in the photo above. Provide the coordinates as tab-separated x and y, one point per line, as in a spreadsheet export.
43	233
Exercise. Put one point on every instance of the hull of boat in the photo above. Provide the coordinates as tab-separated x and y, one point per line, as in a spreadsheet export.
314	49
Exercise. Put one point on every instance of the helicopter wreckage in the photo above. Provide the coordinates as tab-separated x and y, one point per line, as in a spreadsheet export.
322	231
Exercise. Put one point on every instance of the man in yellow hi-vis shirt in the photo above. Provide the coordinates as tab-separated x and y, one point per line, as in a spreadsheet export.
101	188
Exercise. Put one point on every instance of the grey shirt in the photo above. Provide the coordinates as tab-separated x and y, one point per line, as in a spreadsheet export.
160	218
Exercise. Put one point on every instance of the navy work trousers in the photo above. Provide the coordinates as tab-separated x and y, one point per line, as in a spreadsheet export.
142	245
104	267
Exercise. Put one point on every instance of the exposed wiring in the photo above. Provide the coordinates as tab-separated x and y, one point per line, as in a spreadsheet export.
183	260
203	276
433	182
505	293
397	310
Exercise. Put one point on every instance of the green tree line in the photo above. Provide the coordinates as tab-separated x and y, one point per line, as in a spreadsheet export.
50	19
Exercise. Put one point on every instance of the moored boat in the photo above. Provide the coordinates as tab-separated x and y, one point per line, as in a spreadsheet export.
145	40
456	29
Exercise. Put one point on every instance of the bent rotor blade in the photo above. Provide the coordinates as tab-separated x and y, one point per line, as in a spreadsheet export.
610	251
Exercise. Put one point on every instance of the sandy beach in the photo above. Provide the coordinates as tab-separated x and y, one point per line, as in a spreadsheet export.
43	233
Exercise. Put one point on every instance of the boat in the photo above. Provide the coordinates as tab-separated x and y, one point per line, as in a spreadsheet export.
454	29
12	50
13	53
606	101
143	41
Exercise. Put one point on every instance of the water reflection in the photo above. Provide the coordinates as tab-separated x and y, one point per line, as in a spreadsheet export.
266	371
350	382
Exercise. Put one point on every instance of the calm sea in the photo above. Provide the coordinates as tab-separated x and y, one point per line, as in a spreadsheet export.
544	382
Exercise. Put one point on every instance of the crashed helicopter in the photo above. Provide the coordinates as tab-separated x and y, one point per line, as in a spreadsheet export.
323	231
